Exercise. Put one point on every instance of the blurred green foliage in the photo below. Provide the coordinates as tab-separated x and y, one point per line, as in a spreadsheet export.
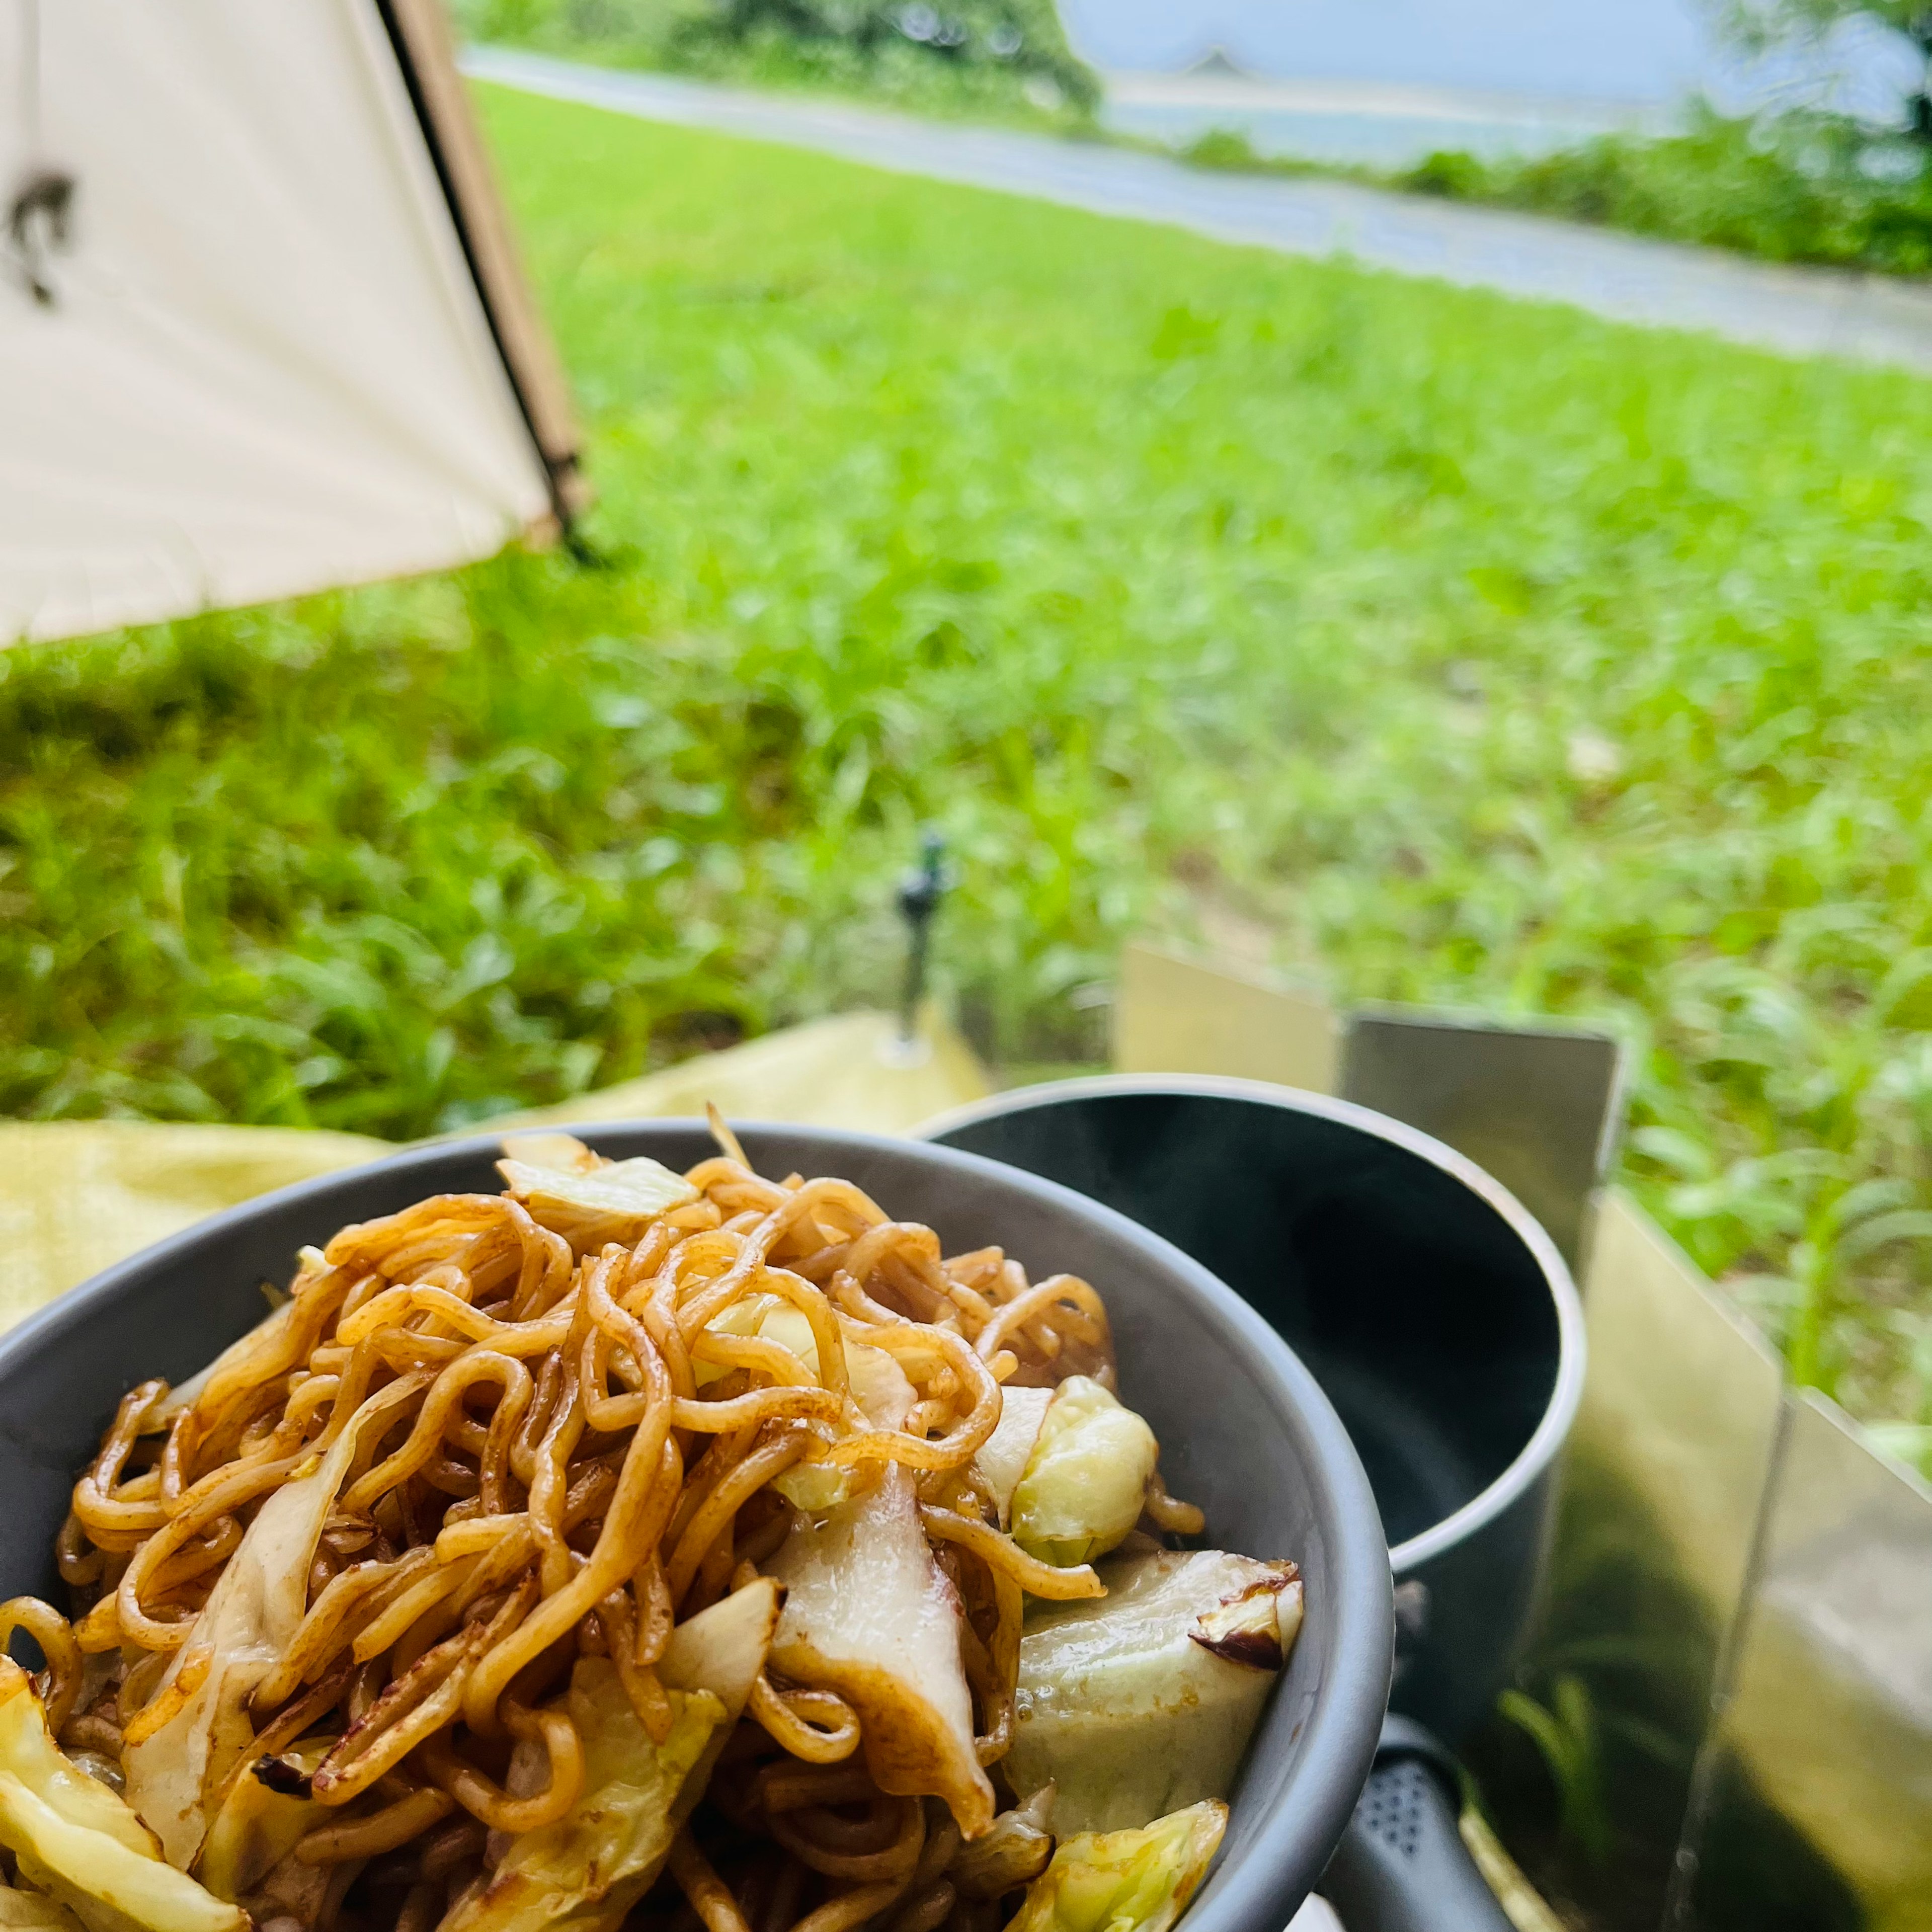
1789	187
1483	652
1230	149
1797	187
968	56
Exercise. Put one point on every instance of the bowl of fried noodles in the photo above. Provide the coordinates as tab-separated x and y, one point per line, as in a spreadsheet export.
782	1531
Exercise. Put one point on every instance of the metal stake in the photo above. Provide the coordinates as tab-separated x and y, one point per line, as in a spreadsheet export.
919	894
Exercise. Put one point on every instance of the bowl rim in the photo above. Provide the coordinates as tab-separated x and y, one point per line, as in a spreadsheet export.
1552	1429
1333	1749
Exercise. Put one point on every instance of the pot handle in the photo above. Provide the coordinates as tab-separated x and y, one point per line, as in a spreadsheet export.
1401	1865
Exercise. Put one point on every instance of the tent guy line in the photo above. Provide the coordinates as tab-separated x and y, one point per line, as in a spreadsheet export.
1793	311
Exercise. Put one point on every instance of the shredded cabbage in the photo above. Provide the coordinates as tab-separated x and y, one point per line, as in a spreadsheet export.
605	1852
590	1867
1138	1881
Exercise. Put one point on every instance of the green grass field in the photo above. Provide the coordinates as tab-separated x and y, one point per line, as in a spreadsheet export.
1489	654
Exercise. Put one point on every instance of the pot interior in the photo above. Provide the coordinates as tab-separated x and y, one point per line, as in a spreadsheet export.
1428	1320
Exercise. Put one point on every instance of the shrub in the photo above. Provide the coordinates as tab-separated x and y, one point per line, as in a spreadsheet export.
1798	187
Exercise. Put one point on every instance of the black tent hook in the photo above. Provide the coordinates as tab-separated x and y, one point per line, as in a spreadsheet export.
39	222
40	213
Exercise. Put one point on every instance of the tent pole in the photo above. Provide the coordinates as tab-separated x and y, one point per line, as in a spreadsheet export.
419	33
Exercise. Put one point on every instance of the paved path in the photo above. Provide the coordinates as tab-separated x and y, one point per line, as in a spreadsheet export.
1798	312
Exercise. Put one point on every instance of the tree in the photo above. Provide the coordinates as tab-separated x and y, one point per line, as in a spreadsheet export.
1760	24
1023	37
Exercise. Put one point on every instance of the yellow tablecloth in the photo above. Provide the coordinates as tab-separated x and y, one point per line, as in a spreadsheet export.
77	1195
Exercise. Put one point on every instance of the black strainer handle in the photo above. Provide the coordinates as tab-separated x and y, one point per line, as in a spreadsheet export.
1401	1865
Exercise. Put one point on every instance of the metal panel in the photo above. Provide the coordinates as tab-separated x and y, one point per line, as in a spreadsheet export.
1662	1490
1537	1106
1682	1399
1815	1793
1177	1015
1735	1648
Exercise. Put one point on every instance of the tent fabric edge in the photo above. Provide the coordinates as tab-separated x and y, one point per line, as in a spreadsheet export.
141	614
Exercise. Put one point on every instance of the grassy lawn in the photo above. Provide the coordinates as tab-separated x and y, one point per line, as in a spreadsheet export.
1489	653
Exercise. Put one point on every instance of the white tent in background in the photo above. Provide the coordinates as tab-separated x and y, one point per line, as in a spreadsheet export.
284	342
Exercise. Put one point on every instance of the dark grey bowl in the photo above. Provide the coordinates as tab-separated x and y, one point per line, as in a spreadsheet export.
1244	1430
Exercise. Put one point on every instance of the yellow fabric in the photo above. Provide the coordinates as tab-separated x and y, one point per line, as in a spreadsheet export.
847	1072
77	1195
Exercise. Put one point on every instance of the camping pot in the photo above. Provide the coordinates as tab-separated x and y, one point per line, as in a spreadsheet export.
1442	1324
1226	1396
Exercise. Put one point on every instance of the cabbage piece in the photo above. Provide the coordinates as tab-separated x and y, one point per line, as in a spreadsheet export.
1002	1457
815	1487
27	1749
249	1620
1123	1708
596	1862
74	1839
560	1154
1257	1626
870	1615
1136	1881
770	1317
605	1852
1013	1853
721	1650
34	1912
615	1202
1086	1480
878	1385
257	1827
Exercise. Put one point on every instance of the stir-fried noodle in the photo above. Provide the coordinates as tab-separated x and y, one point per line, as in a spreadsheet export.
556	1428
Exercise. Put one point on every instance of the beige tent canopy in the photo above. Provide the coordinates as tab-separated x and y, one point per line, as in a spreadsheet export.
262	329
